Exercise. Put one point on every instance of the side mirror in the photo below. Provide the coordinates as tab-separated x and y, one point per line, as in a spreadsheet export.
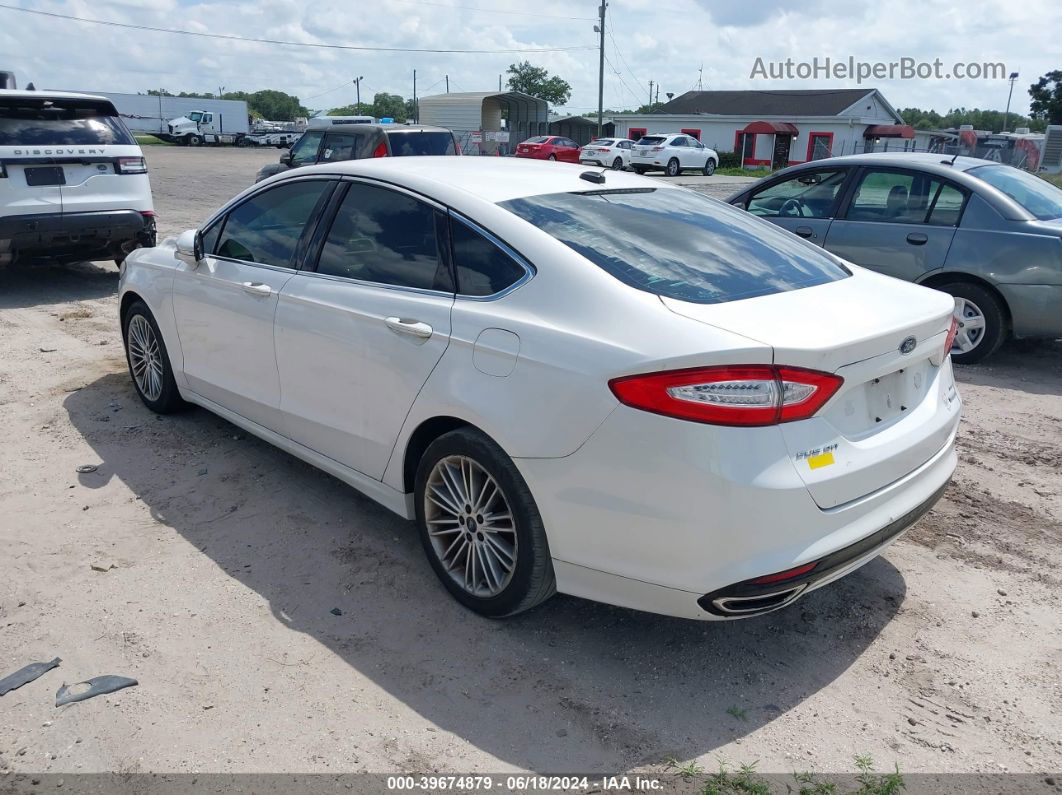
190	246
286	157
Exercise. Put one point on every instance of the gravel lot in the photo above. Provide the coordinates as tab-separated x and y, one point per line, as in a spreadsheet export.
207	564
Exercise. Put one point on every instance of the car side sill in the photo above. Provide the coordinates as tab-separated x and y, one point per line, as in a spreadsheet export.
400	503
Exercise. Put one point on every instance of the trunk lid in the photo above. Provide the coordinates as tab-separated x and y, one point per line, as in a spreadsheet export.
17	195
898	405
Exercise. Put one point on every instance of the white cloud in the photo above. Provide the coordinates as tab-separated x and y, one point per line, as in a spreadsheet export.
666	42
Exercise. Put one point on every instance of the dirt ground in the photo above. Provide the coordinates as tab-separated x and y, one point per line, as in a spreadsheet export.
207	565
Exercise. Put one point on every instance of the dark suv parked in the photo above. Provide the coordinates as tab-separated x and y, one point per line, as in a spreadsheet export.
358	141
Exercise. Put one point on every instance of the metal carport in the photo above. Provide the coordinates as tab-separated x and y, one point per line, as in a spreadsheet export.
468	112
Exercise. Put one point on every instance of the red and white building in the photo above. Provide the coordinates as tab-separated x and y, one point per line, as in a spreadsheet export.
779	127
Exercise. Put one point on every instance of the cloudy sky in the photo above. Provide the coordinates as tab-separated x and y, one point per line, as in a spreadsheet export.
666	41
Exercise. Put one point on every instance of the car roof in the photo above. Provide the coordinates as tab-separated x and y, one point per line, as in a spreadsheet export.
18	93
492	179
927	161
366	128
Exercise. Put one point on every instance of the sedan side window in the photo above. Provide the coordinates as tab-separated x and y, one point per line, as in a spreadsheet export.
896	197
483	268
383	236
210	237
266	228
811	194
947	206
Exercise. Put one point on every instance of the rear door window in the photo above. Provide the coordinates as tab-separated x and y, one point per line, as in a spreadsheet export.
428	142
339	146
267	227
894	197
679	244
60	122
387	237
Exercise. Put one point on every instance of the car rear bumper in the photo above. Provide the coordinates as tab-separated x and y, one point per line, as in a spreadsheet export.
1035	309
87	232
656	514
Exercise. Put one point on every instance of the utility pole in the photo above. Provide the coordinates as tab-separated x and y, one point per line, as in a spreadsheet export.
447	84
357	82
499	82
657	93
416	110
1006	116
650	96
600	28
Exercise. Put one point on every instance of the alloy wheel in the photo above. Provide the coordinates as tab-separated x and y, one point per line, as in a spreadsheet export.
470	525
971	321
145	357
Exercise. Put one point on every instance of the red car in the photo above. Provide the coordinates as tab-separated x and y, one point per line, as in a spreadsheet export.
549	147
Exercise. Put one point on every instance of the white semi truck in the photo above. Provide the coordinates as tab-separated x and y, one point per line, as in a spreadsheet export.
204	127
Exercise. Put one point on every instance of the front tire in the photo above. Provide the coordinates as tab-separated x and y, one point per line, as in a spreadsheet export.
553	158
149	362
709	167
195	140
480	527
982	322
673	169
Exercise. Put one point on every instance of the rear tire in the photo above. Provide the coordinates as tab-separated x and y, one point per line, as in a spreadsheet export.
617	164
982	318
511	569
673	169
553	157
148	360
639	169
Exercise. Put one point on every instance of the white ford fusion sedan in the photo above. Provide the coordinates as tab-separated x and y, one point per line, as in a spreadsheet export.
597	384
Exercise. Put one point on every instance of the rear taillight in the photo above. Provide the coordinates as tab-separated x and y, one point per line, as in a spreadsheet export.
745	395
380	150
952	331
658	148
130	165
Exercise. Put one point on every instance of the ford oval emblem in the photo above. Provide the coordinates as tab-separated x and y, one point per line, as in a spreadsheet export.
908	345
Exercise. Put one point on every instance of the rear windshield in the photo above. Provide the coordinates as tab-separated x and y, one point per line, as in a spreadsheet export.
652	139
679	244
1036	195
421	143
538	139
602	142
57	122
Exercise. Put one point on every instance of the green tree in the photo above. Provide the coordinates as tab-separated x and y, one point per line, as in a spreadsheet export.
993	120
1046	96
537	82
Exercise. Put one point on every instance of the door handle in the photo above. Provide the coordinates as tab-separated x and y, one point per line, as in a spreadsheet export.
917	238
804	231
257	288
403	326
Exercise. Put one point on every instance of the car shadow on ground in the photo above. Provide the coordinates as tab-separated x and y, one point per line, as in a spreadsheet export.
37	283
570	686
1026	365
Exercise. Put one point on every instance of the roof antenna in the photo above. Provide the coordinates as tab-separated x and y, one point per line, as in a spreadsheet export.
597	177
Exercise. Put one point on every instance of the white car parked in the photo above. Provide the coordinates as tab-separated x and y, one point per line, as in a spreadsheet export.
614	153
572	381
673	154
73	181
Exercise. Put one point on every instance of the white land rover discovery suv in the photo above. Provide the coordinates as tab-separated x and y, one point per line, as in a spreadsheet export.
73	181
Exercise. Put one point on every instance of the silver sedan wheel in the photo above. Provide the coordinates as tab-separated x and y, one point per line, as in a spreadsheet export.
145	357
470	525
971	325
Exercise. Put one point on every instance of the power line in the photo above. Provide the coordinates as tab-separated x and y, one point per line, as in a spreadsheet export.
494	10
230	37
